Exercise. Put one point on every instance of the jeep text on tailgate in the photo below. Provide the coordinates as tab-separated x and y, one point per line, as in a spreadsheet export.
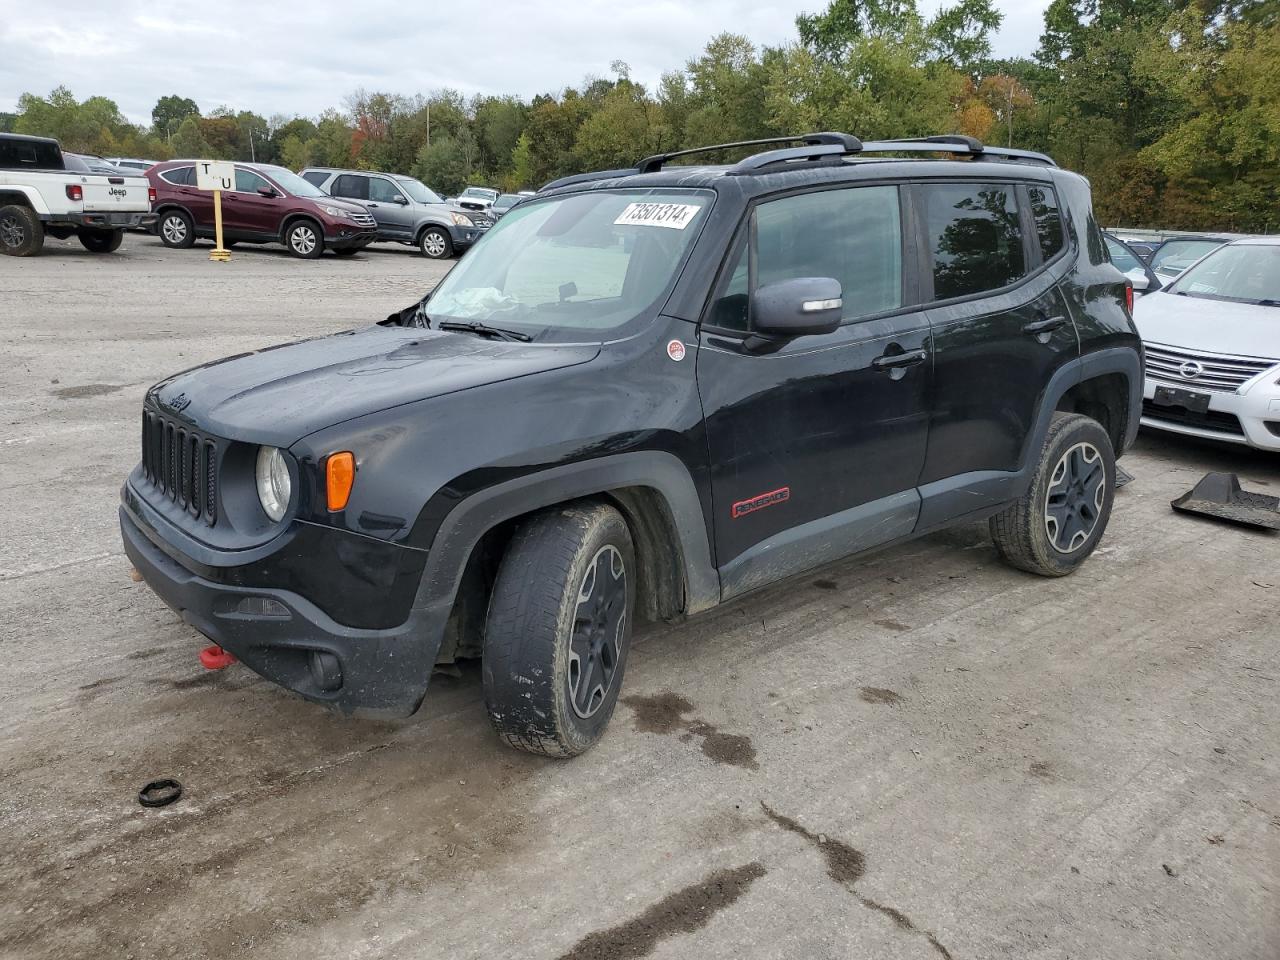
644	393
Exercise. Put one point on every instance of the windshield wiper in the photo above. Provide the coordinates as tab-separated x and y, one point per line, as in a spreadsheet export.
484	330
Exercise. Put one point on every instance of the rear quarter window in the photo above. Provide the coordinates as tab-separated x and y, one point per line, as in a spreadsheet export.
975	237
1048	219
179	176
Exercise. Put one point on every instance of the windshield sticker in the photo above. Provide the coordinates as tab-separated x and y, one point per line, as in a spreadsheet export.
674	215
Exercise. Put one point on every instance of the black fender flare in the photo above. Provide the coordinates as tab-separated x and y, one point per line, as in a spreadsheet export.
462	528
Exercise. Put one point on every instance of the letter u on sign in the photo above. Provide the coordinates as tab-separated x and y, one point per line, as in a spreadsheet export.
215	175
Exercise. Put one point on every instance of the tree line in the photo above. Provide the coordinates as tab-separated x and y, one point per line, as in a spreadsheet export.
1171	107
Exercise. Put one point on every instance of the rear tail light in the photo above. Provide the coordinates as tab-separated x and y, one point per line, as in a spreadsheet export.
151	194
1128	297
75	191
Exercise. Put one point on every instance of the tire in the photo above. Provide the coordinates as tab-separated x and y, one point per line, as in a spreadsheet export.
21	233
100	241
434	243
304	239
540	696
175	229
347	251
1064	513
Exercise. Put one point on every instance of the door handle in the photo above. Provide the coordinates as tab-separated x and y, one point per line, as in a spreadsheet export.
371	205
1045	325
895	361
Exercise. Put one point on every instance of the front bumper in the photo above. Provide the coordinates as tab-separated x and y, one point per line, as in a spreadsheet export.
349	235
105	220
1251	417
463	237
288	640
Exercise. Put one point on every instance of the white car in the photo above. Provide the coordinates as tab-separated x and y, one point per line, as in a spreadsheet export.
1212	340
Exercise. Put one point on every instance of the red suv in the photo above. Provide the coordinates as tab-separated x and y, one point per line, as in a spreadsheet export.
269	205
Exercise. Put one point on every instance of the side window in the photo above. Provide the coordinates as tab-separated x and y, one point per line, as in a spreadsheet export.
975	237
382	191
179	176
853	235
1044	210
350	185
249	182
1121	257
315	177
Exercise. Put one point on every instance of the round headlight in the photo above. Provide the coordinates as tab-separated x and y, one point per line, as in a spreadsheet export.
274	486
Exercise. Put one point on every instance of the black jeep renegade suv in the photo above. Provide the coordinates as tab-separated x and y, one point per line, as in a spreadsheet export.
646	392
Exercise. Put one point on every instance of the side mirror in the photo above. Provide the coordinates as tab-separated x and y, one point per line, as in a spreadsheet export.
801	306
267	192
401	200
1141	283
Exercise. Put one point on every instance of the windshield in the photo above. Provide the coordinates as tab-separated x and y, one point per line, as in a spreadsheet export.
507	200
1176	255
418	192
1246	272
571	266
292	183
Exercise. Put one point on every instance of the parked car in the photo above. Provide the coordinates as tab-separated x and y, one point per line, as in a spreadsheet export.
504	203
1212	339
644	394
44	192
476	198
268	205
1177	253
131	163
1141	276
406	210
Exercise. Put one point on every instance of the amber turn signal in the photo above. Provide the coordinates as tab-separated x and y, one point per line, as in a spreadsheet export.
340	475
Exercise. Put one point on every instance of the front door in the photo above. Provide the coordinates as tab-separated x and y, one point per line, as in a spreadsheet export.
1001	328
815	444
390	207
248	214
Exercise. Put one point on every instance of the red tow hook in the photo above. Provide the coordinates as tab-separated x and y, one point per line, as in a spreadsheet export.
215	658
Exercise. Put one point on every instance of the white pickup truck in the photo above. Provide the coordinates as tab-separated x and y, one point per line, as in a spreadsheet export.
41	192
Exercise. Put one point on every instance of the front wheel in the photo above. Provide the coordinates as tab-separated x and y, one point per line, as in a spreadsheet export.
21	233
100	241
304	239
435	244
558	629
1062	516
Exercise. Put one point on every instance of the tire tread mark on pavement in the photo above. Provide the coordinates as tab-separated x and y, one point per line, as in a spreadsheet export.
684	911
846	866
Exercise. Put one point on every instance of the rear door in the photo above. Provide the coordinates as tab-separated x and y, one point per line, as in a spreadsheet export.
182	188
815	443
1001	327
246	212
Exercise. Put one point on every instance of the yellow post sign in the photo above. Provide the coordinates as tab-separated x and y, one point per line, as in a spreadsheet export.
216	175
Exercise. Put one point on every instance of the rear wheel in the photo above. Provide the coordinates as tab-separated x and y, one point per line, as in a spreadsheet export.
175	229
435	244
100	241
304	239
21	233
1061	518
558	629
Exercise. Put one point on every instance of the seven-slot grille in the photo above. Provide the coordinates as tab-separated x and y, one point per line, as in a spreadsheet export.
182	464
1204	371
364	219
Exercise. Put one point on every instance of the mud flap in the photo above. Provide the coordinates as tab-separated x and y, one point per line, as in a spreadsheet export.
1219	495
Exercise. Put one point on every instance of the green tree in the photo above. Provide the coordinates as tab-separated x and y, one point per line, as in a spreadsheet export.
444	166
189	141
169	112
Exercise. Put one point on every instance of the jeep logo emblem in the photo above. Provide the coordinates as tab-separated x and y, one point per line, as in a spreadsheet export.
118	192
1190	370
177	404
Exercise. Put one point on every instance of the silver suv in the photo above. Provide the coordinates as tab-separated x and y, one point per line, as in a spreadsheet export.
406	210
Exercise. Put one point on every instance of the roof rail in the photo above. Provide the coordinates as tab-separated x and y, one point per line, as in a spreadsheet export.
957	143
828	144
587	177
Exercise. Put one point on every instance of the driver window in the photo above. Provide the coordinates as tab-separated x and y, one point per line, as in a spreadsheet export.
249	182
381	191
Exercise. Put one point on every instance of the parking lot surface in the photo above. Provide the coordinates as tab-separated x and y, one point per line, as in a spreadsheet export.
917	754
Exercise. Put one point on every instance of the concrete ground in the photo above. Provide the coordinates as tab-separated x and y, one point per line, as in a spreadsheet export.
919	754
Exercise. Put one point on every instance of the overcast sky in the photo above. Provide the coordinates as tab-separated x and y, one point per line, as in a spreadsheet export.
292	58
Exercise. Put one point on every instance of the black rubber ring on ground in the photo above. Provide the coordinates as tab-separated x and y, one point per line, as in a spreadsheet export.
160	793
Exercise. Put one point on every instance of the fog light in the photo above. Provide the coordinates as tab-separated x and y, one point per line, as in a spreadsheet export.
326	671
262	607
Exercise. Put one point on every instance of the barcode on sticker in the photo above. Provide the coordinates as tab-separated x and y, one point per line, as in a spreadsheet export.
674	215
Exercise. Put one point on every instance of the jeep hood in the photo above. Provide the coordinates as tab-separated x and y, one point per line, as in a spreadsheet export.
1208	326
281	394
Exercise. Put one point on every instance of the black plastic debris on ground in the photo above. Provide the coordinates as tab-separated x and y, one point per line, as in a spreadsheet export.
1220	496
1123	476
